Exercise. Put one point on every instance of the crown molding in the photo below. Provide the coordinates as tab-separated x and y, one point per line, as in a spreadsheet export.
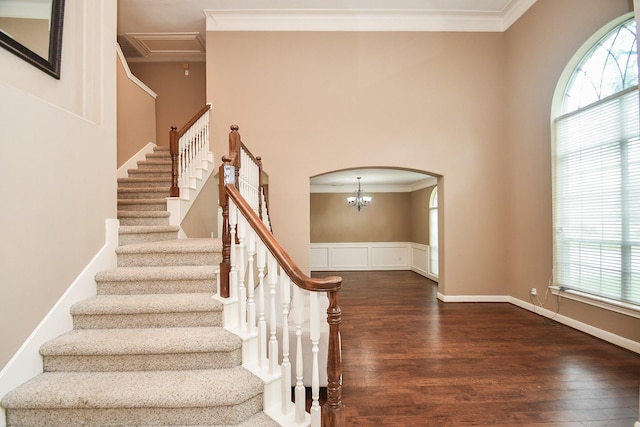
363	19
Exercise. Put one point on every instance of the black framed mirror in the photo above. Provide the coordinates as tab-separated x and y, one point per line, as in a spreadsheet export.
32	30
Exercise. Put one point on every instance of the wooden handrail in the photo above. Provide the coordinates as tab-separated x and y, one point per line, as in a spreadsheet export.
325	284
174	138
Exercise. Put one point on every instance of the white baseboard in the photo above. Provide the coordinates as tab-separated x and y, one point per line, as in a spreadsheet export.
583	327
132	163
575	324
472	298
26	363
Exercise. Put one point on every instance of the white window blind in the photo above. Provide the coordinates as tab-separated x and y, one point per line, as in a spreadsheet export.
597	199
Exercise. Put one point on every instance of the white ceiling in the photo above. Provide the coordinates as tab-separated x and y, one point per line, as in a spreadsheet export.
174	30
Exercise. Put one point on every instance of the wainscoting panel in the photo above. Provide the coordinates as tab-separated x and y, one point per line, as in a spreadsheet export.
349	258
420	258
320	258
360	256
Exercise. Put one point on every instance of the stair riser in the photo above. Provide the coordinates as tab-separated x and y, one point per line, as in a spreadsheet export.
147	320
144	194
143	362
128	221
159	182
156	287
154	164
72	417
150	173
133	206
168	259
131	239
162	155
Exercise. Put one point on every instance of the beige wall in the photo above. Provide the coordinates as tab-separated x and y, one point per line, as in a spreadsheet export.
327	101
538	48
180	97
136	116
202	218
57	168
385	220
473	108
391	217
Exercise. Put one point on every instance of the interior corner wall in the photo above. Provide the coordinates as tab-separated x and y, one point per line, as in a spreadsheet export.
313	102
538	48
419	215
58	168
180	96
202	218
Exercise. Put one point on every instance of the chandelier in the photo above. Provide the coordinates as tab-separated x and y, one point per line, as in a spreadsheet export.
359	200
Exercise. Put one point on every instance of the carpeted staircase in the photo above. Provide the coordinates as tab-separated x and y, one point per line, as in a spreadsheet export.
149	349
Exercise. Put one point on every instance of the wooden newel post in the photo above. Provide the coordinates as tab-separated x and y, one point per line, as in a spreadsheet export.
225	174
174	191
332	414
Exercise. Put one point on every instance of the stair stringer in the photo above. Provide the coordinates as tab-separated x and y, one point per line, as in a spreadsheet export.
27	363
178	207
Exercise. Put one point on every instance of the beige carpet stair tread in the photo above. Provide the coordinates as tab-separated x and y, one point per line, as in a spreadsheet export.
143	389
148	189
174	246
152	201
148	229
160	303
126	274
142	341
143	214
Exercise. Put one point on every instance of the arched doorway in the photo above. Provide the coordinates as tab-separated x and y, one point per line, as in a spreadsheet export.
392	232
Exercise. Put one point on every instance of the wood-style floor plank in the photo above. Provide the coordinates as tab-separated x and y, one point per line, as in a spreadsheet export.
411	360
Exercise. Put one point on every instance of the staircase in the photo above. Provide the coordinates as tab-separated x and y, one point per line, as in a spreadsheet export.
149	349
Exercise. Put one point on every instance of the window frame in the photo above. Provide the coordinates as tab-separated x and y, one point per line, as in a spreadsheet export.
563	85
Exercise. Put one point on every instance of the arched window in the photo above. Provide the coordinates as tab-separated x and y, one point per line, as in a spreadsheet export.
596	172
433	232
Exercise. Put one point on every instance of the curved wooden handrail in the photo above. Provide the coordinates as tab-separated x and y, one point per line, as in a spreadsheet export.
193	120
325	284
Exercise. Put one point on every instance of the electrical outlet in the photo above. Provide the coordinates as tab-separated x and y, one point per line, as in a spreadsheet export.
533	292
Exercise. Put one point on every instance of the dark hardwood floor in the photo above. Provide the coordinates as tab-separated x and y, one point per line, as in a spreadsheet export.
410	360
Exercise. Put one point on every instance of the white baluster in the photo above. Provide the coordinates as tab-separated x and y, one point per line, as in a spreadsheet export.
298	318
285	296
273	341
251	305
242	268
315	340
233	272
262	323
